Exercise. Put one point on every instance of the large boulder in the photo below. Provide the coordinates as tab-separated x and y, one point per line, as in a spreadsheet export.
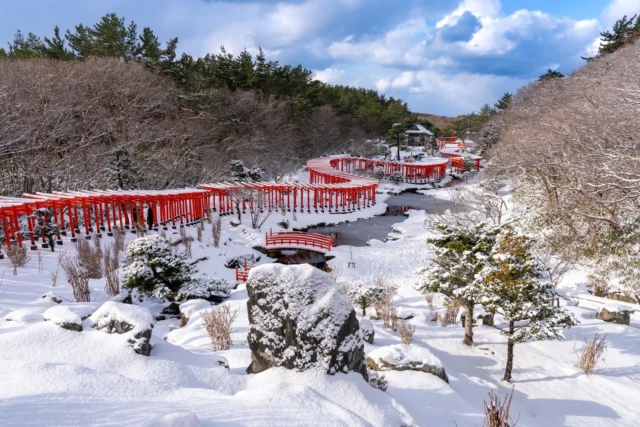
406	357
368	333
63	317
300	320
118	318
239	260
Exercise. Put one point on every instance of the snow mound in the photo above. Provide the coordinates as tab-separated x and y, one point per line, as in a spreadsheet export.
174	419
110	312
300	320
50	297
405	357
25	315
61	315
191	307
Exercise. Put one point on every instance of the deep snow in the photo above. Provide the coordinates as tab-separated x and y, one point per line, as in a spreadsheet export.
53	376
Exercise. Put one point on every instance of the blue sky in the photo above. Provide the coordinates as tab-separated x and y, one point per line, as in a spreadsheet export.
441	56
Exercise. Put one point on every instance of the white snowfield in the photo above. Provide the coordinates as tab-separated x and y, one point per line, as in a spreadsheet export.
53	376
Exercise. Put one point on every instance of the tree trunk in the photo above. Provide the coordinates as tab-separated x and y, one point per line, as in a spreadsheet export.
510	345
468	324
398	153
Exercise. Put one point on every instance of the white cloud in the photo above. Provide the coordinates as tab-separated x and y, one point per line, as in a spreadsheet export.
382	85
618	8
330	75
403	80
480	8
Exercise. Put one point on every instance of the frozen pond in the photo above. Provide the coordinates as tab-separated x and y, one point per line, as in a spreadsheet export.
359	232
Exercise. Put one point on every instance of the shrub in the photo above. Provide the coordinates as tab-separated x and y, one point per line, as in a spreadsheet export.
18	257
383	306
216	229
396	177
365	295
45	227
450	314
90	257
598	284
111	266
186	241
592	354
217	322
377	380
153	269
406	331
284	224
209	288
496	412
77	277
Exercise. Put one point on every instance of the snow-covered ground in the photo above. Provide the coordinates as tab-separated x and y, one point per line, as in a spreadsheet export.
54	376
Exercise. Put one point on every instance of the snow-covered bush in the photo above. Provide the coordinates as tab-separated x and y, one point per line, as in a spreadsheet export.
18	257
239	172
364	295
210	289
378	173
300	320
396	177
153	269
217	323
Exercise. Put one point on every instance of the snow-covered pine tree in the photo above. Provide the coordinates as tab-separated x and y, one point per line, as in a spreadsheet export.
121	169
396	177
515	286
237	170
45	228
468	163
153	269
457	272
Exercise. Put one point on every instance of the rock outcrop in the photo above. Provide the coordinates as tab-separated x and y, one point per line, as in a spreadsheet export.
132	320
406	357
300	320
64	317
619	315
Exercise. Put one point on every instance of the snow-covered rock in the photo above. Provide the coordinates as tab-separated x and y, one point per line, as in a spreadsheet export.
614	313
238	260
406	357
133	320
368	333
25	315
189	308
50	296
174	419
300	320
65	318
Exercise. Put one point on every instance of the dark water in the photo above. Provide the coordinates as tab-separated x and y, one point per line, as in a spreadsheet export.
359	232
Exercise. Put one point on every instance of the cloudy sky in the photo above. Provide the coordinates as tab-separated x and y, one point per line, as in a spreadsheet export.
441	56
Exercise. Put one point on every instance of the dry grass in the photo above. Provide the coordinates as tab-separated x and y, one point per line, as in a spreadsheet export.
217	322
429	298
450	315
18	257
40	261
496	411
90	257
54	275
216	229
118	239
111	266
77	276
598	285
385	310
592	354
186	241
335	273
199	229
406	331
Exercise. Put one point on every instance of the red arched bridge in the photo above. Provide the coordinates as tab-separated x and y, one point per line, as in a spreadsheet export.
337	184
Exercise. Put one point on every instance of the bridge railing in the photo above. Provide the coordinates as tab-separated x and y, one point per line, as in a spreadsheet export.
299	238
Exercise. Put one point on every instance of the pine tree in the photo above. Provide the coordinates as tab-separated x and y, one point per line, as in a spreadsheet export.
54	48
551	74
25	47
45	228
457	272
395	134
81	41
149	50
614	39
515	286
3	53
244	65
504	102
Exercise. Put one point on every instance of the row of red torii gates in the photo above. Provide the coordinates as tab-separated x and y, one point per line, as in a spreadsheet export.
336	184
